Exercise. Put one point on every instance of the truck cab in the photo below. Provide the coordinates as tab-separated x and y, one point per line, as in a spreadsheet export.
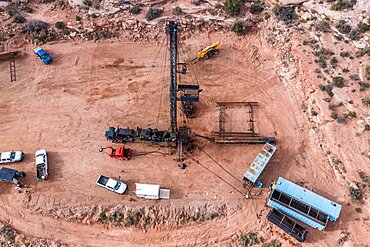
41	53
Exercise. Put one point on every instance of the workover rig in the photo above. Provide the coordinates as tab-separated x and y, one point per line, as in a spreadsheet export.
188	94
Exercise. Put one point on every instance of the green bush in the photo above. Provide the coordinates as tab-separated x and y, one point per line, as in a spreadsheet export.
250	239
367	70
102	216
59	24
338	81
78	18
239	27
136	9
358	210
152	14
341	4
367	127
232	7
93	15
334	115
322	87
363	27
352	114
87	2
177	11
29	9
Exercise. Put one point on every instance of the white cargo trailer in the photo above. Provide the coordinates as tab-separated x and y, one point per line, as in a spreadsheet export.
151	191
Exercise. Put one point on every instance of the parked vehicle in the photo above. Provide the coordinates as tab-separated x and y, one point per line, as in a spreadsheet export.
111	184
151	191
41	164
12	156
41	53
120	153
11	175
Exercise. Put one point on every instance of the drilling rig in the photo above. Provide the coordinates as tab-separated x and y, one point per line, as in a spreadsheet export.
175	136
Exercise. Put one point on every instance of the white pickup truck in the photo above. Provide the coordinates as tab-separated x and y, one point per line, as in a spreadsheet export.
41	164
111	184
9	157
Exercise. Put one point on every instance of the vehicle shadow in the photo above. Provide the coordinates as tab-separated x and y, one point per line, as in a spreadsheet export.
55	165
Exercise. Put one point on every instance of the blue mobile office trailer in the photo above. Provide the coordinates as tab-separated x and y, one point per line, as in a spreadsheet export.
302	204
259	164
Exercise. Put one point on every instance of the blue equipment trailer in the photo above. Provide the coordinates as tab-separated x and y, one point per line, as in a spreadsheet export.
41	53
302	204
259	164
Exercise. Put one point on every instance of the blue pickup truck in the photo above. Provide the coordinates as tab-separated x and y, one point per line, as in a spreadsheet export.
46	58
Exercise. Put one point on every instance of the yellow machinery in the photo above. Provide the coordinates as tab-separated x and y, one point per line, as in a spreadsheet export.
209	51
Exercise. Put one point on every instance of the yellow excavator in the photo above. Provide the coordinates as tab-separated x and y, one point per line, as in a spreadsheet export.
209	51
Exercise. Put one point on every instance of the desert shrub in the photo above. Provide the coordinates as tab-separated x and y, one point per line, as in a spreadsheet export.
96	4
93	15
256	8
314	113
87	3
239	27
102	216
367	127
342	4
329	90
136	9
29	9
273	243
352	114
250	239
345	54
363	27
59	24
363	85
322	87
286	13
19	19
354	77
355	35
334	115
338	81
367	70
343	27
78	18
7	236
322	56
358	210
177	11
334	62
364	177
363	52
232	7
323	26
152	14
366	101
355	194
34	26
341	119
